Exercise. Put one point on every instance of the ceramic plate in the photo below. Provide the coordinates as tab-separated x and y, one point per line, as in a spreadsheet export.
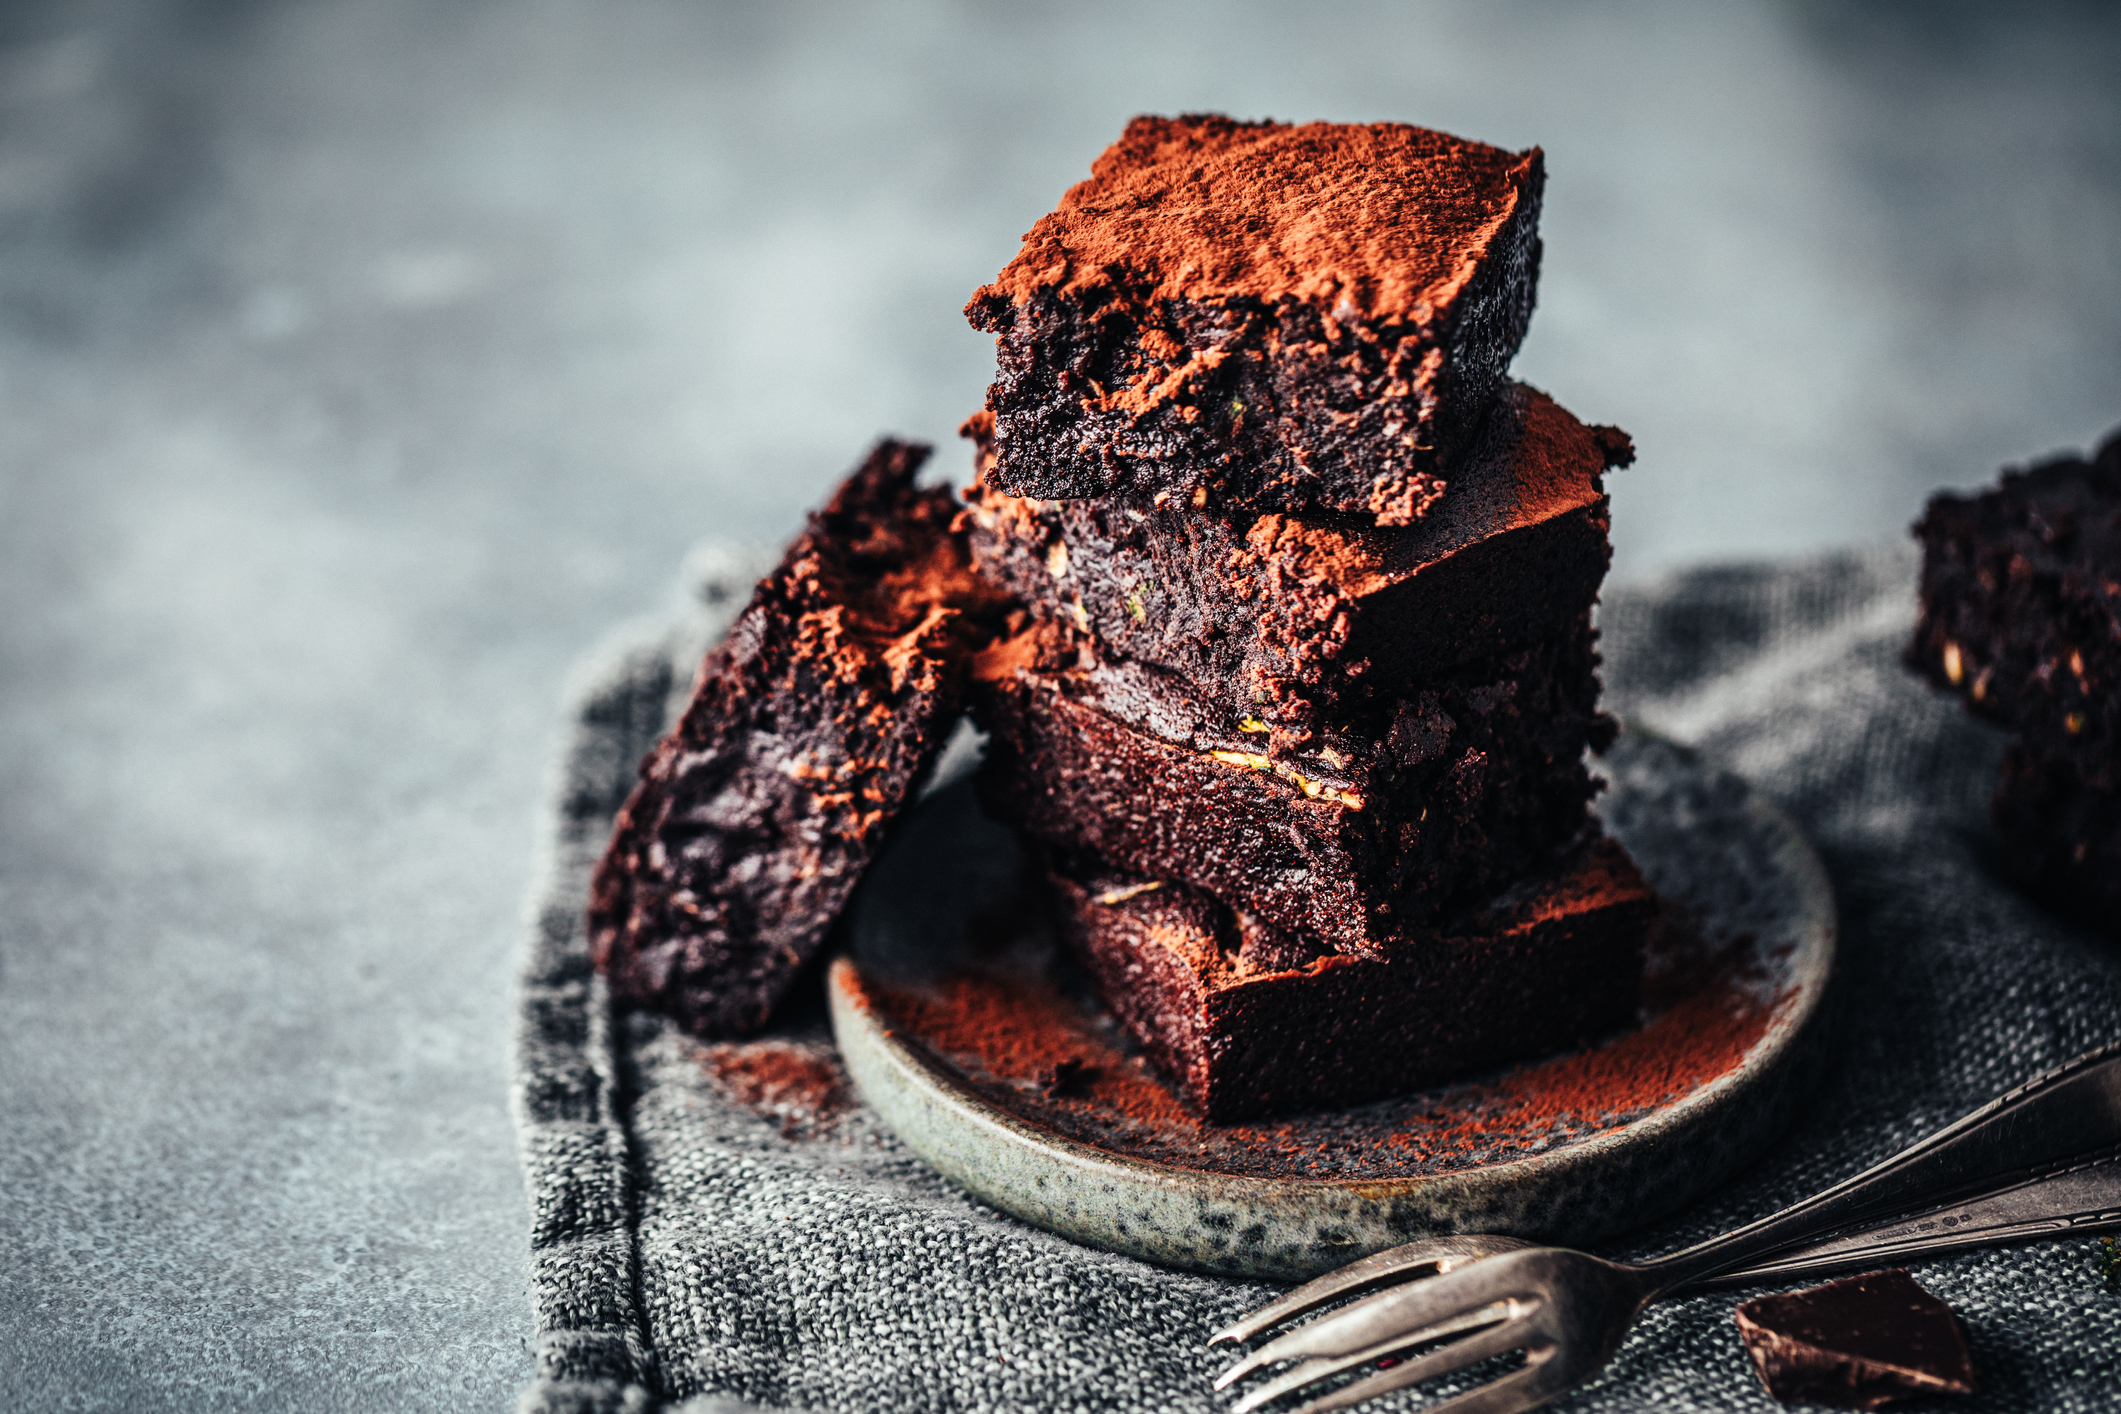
952	1002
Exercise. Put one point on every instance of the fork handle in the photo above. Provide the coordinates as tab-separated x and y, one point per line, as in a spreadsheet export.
2082	1200
2044	1123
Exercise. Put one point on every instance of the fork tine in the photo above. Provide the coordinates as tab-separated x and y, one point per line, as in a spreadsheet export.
1433	1254
1499	1340
1388	1314
1309	1372
1540	1380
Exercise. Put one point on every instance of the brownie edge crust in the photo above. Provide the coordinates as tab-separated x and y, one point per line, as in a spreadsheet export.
809	729
1246	1021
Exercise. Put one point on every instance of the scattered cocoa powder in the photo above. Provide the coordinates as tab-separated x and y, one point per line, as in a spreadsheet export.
1018	1032
804	1089
1700	1038
1008	1038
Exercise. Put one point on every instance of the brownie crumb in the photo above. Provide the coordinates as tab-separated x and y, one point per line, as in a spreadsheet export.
1066	1078
810	728
801	1088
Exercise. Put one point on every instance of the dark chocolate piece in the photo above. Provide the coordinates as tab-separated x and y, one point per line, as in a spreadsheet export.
2021	607
1379	825
1310	317
1291	618
1247	1020
809	728
1857	1344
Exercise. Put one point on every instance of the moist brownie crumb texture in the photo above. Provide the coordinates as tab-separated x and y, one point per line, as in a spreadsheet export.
2021	615
808	730
1294	317
1297	702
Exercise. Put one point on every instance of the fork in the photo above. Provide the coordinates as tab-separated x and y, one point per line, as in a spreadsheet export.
2082	1198
1568	1311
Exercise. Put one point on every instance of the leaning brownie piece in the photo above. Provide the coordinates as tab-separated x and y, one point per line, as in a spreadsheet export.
2061	836
1246	1021
1381	825
1285	317
1291	618
2021	607
808	730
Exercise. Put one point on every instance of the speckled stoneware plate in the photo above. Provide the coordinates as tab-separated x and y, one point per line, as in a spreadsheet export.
952	998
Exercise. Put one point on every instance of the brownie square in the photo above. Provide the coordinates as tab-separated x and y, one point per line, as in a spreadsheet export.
2061	835
1287	317
809	728
2021	607
1246	1023
1297	618
1378	825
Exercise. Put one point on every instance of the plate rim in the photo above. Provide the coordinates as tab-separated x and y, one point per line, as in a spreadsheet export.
878	1054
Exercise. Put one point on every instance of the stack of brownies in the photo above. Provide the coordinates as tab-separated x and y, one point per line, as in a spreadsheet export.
2021	612
1298	705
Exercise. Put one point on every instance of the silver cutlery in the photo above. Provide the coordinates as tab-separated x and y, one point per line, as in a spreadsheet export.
2037	1157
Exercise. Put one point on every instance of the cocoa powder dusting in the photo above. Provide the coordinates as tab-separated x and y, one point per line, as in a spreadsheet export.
802	1089
1010	1038
1385	218
1700	1038
1019	1033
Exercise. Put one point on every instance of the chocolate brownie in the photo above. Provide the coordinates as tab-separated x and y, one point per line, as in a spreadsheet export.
2061	836
1247	1021
2021	607
809	728
1379	825
1291	318
1290	618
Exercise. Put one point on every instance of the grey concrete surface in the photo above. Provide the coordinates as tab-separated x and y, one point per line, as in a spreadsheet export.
361	362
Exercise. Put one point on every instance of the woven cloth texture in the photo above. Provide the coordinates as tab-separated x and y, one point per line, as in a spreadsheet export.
727	1228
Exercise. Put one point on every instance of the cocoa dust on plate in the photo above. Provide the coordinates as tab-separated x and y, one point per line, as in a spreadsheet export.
1009	1038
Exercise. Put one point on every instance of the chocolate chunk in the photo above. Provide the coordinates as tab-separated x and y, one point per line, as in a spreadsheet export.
1857	1344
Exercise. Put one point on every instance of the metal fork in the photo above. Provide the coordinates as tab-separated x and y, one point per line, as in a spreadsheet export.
1568	1311
2084	1198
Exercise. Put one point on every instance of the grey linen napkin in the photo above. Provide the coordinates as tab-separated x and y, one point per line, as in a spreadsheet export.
725	1227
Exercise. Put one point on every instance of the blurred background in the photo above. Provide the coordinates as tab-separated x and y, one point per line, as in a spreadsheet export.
361	363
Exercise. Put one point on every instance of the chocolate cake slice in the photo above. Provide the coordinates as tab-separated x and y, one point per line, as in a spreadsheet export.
2021	606
1286	317
1381	824
1292	619
809	728
1248	1020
